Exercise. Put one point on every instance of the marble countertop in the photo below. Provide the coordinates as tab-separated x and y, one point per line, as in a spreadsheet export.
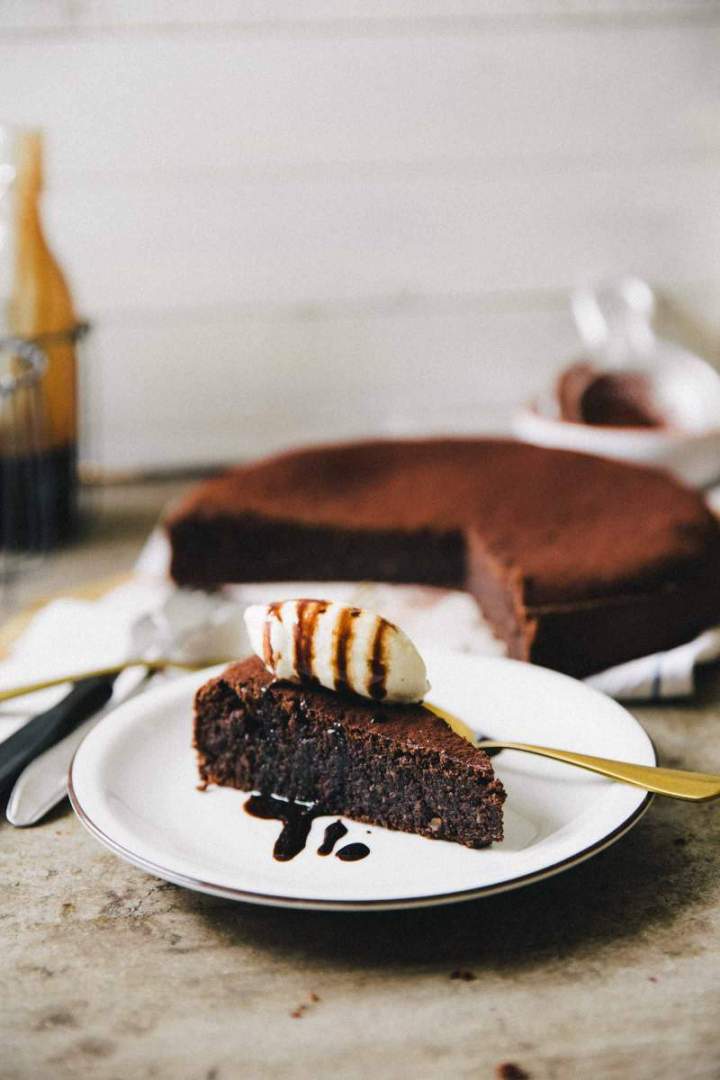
608	970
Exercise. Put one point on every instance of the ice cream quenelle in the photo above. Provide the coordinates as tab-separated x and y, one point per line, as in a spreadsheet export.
341	647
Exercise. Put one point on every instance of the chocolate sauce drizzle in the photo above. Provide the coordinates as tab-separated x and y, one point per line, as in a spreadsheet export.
274	610
377	686
353	852
333	833
308	613
344	632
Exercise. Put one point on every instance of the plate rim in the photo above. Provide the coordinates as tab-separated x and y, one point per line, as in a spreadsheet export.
250	896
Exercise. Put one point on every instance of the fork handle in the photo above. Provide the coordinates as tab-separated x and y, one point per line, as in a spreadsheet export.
675	783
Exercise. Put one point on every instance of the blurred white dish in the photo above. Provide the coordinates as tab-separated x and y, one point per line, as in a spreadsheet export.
692	458
689	391
615	321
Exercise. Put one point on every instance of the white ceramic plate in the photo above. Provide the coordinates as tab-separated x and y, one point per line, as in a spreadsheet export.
133	785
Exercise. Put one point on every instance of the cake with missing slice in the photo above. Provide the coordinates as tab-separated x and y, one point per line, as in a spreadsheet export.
342	727
577	563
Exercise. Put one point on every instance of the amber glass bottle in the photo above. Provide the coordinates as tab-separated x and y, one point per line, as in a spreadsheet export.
41	467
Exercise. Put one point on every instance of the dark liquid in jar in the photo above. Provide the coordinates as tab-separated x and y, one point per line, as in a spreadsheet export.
38	499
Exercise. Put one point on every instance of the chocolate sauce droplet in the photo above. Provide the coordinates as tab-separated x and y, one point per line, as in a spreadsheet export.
353	852
333	833
494	751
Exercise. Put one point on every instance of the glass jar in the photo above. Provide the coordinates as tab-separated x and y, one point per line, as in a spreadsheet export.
39	433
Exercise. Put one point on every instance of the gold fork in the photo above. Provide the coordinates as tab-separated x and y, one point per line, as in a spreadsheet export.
675	783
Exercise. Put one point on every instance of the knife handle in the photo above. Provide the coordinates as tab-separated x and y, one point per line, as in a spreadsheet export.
44	730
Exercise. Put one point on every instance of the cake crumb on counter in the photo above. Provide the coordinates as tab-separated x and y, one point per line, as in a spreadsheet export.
508	1070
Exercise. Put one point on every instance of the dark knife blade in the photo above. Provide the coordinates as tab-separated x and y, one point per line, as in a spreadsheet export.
45	729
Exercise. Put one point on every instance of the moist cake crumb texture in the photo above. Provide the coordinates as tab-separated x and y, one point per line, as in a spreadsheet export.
399	766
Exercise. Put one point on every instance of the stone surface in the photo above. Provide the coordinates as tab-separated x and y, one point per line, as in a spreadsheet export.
608	970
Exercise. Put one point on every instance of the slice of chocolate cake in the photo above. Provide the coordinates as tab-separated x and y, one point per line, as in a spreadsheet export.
399	766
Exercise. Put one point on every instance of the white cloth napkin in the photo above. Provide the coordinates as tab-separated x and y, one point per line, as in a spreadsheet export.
140	620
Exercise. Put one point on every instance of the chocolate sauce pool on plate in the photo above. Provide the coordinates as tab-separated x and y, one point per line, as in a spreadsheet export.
297	821
296	818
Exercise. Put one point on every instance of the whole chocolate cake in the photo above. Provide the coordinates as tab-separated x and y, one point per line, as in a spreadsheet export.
578	563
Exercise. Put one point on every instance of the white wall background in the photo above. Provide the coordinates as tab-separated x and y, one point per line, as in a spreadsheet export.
294	220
